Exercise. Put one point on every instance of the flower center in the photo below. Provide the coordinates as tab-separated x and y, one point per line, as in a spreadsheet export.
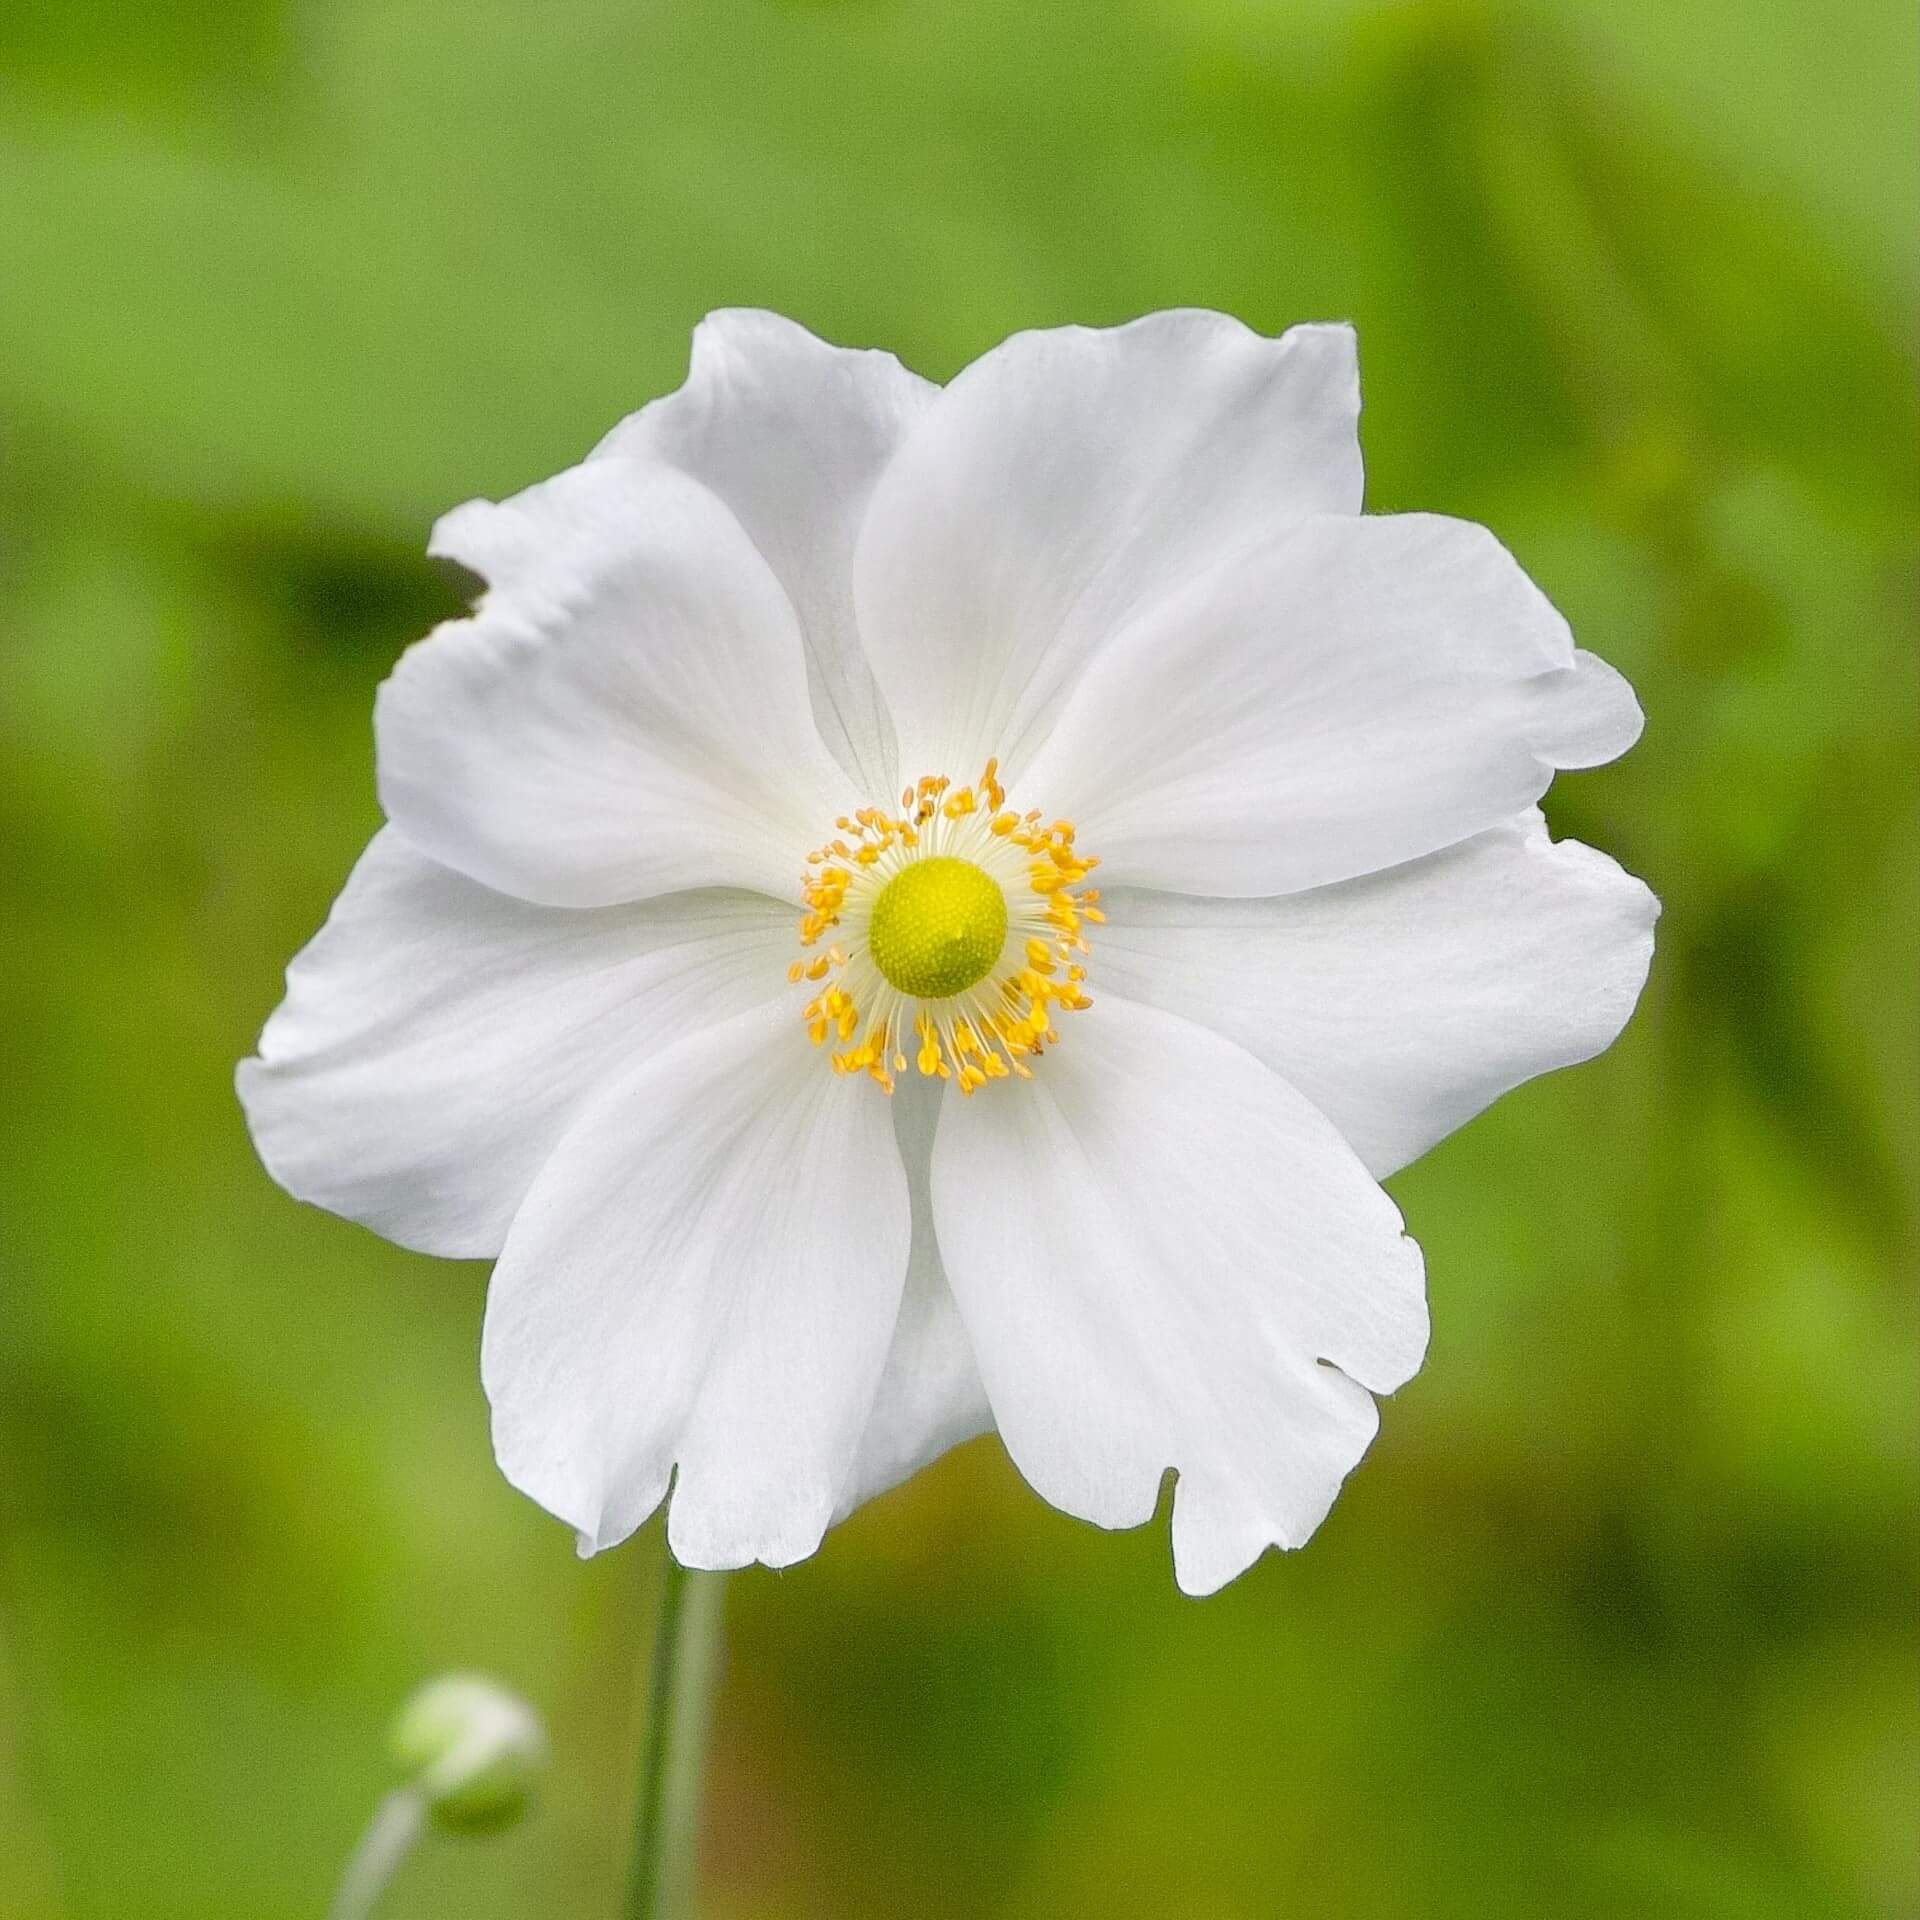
955	921
937	927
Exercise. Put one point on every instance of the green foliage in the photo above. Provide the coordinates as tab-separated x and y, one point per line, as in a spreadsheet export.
1617	1618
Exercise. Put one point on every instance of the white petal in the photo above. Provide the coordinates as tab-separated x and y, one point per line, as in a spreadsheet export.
437	1038
1596	717
1064	481
1362	692
625	714
1403	1003
704	1278
930	1396
792	434
1156	1244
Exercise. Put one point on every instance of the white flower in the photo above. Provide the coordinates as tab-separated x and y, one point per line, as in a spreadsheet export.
796	1182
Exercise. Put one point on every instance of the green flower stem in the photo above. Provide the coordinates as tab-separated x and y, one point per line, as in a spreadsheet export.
398	1821
673	1744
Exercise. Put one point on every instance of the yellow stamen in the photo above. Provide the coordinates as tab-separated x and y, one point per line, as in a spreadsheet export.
956	923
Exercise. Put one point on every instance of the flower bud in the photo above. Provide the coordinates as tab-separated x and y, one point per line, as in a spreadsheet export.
471	1750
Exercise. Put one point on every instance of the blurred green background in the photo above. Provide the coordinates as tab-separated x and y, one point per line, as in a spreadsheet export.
1618	1619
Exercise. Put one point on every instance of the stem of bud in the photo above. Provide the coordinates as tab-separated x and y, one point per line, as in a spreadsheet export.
398	1821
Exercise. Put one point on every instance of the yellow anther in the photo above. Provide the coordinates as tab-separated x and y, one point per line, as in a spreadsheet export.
954	922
